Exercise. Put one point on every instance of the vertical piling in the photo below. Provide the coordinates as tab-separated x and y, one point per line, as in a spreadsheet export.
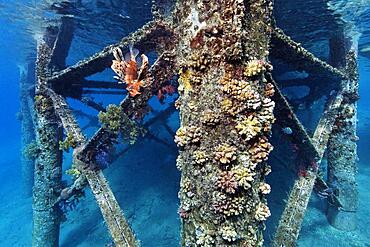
27	130
48	165
342	155
225	115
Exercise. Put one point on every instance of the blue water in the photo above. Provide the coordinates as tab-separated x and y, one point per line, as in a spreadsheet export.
146	186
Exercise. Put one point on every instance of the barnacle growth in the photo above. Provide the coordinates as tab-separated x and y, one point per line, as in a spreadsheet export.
126	69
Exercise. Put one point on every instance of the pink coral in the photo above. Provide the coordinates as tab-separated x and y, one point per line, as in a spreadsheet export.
226	182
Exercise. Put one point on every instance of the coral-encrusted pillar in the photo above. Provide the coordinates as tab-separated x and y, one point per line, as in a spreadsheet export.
48	165
226	116
342	155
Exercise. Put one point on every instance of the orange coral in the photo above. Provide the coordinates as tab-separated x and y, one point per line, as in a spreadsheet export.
126	69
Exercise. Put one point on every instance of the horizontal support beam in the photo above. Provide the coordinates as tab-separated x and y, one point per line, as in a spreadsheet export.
102	84
91	103
152	35
108	92
283	47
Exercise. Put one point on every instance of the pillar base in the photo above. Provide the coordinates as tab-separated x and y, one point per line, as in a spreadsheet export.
342	220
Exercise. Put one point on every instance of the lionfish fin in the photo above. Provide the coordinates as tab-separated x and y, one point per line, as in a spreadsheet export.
144	67
117	53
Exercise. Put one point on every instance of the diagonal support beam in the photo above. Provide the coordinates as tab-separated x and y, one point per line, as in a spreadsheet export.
288	118
291	220
285	48
118	226
116	222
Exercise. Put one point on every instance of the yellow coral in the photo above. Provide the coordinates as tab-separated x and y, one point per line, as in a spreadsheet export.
210	118
228	233
200	157
73	172
249	127
184	80
254	67
262	212
243	176
187	135
226	104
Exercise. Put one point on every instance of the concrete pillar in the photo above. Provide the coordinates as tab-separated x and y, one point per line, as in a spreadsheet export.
48	165
342	155
27	131
226	114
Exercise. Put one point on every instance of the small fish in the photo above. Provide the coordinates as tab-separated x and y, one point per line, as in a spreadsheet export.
287	130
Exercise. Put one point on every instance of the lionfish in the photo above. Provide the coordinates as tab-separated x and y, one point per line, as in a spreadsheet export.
126	69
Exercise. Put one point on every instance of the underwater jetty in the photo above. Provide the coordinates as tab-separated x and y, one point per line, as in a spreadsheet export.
218	56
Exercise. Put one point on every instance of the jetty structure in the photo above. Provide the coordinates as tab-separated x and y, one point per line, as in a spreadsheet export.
221	57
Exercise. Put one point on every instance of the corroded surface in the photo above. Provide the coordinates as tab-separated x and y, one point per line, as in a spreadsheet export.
226	116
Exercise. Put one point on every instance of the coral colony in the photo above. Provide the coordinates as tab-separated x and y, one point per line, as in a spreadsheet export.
218	51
